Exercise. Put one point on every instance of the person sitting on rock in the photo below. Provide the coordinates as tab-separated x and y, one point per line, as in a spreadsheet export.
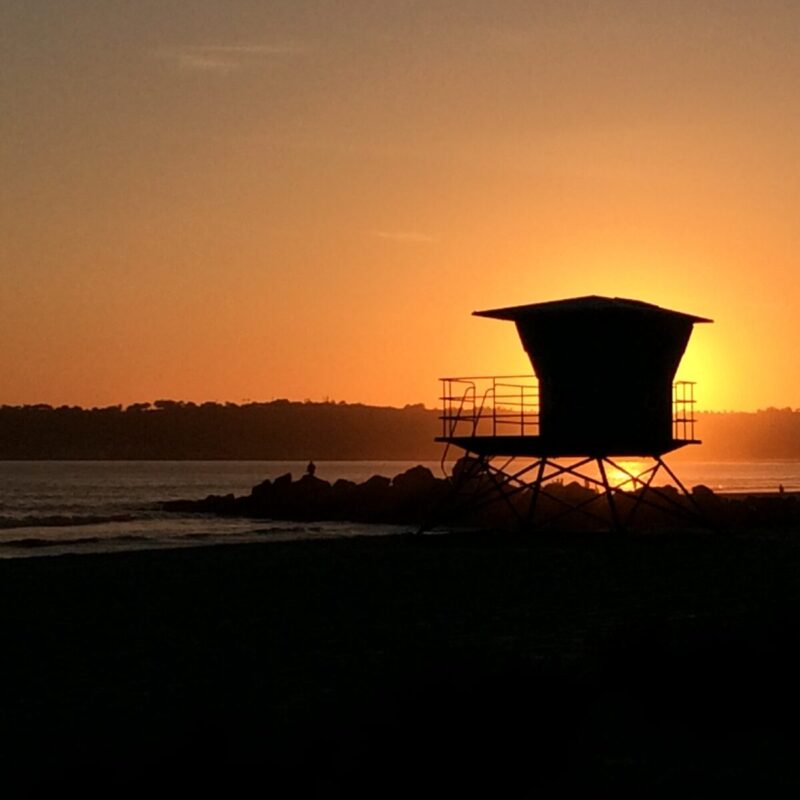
311	469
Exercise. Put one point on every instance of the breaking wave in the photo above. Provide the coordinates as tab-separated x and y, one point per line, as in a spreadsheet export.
62	520
33	543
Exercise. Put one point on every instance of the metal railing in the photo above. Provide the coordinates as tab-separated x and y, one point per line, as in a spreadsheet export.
490	405
508	405
683	411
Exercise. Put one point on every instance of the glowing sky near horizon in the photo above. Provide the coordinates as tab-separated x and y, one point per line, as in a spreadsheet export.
248	200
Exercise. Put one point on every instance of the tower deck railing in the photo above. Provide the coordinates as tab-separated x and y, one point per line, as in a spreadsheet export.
490	405
683	411
508	405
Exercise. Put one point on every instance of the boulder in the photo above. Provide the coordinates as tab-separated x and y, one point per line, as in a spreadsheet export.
417	480
261	490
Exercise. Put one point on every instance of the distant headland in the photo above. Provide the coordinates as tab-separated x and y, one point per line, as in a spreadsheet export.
290	430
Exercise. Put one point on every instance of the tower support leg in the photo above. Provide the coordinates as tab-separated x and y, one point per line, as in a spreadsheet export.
609	492
535	491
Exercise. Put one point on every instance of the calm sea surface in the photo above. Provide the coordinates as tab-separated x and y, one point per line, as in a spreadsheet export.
50	507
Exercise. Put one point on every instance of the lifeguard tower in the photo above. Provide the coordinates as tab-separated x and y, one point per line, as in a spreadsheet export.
603	391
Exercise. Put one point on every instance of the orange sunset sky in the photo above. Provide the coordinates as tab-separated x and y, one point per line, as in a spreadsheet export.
247	199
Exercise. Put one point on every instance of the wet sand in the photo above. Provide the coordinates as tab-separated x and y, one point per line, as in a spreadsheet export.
477	665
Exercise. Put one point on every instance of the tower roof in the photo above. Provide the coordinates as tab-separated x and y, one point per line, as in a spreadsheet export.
588	304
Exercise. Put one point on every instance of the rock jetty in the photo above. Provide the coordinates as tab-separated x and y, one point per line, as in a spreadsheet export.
407	498
417	497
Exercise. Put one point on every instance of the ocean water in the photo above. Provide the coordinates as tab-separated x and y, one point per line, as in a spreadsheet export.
53	507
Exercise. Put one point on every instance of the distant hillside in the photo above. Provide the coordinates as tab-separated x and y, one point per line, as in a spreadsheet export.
763	435
279	430
284	430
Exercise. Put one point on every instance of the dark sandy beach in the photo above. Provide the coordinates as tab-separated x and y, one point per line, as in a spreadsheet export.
480	665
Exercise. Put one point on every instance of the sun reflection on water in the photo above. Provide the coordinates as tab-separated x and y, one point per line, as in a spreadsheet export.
622	475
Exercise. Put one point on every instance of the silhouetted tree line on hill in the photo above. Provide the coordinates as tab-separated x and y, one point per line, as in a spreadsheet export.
288	430
167	429
772	433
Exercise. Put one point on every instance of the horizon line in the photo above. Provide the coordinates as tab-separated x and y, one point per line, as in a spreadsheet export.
154	405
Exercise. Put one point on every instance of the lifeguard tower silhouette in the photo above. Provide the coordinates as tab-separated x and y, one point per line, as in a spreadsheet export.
603	391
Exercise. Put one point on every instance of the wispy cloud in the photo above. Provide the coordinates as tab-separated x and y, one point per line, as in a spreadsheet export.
225	58
406	237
